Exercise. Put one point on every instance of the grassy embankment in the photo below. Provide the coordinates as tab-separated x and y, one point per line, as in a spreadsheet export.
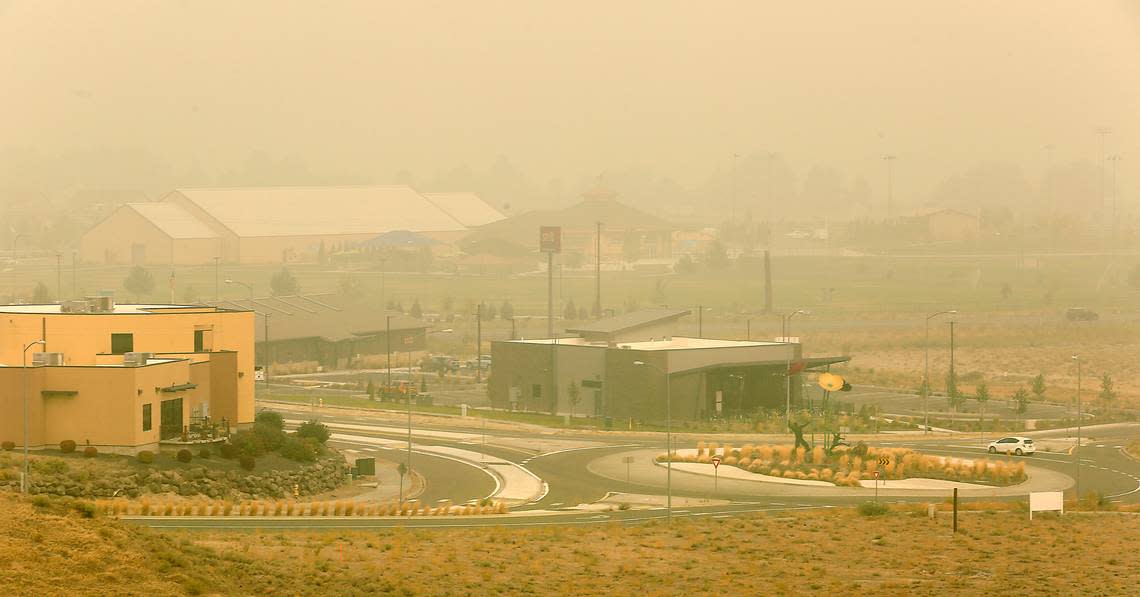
51	550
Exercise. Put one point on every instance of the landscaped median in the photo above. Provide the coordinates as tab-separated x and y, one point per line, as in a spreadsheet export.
283	508
849	467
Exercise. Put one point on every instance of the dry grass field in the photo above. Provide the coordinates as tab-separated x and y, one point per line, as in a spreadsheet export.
52	550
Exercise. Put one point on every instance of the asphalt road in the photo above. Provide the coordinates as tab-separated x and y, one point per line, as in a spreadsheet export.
1104	469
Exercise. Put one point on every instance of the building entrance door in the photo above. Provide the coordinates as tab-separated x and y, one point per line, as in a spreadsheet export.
171	419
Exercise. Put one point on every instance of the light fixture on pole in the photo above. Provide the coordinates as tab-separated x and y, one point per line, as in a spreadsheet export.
248	287
926	368
668	439
24	478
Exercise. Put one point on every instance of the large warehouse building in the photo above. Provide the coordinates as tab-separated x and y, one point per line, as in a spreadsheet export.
274	224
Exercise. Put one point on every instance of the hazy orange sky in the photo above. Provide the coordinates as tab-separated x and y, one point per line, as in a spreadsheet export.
568	89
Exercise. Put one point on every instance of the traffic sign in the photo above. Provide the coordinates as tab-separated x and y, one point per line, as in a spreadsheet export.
876	474
627	459
716	461
884	461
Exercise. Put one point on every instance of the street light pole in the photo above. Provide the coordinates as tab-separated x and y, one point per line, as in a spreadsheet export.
668	438
479	342
388	348
1077	448
788	366
24	478
926	369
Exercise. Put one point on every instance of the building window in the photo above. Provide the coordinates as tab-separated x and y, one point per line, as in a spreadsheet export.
122	343
536	390
146	417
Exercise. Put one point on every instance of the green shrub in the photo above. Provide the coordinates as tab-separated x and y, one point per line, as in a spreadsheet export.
49	466
184	455
67	446
90	452
204	452
247	462
248	443
873	509
270	420
8	446
300	449
315	430
228	451
146	457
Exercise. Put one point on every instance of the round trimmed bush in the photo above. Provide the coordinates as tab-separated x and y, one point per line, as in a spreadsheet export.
67	446
204	452
247	462
228	451
184	455
8	446
90	452
146	457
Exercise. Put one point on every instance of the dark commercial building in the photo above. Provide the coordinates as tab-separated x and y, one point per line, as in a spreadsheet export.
331	330
607	372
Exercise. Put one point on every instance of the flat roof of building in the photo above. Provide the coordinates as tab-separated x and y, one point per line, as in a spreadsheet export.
119	309
674	343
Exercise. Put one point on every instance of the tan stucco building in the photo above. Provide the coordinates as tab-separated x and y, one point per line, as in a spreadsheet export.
123	377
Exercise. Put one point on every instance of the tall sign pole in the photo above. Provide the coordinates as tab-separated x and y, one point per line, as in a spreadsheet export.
550	242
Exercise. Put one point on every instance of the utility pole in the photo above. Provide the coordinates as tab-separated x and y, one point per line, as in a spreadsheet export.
550	294
59	277
952	379
1103	132
926	369
217	287
890	159
388	348
1114	159
478	343
74	286
732	198
266	351
598	269
700	321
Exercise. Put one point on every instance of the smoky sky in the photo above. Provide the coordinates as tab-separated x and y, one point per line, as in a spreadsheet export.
568	89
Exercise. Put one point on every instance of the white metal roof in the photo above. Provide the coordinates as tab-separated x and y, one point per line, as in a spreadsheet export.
468	208
173	220
306	211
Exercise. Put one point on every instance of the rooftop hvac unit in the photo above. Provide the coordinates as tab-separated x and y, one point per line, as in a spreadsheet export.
101	304
47	359
136	359
74	307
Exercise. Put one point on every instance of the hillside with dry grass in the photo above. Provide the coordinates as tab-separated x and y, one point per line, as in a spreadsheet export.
51	549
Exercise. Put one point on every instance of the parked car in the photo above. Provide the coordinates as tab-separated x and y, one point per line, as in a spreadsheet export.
1013	445
1081	314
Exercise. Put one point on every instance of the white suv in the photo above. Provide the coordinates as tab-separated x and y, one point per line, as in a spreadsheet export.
1013	445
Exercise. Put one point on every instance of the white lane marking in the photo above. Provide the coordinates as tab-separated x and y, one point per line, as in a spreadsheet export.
544	454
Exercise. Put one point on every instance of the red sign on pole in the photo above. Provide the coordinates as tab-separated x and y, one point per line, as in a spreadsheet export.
876	474
716	461
550	239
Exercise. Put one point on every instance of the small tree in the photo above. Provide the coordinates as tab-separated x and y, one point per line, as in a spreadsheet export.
40	294
284	283
416	310
952	394
575	396
570	313
1107	392
717	256
507	311
489	312
139	282
982	395
1038	386
582	313
1021	401
371	389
